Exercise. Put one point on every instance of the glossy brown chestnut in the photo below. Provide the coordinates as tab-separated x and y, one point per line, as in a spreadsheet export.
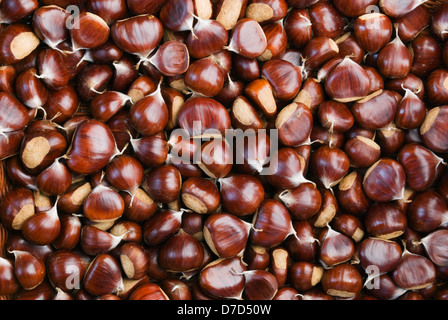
220	227
287	121
197	113
326	20
286	169
259	285
357	87
161	226
385	180
91	32
29	270
247	39
200	195
349	225
103	204
376	110
103	276
335	247
298	27
414	272
93	146
271	224
328	166
350	194
335	116
343	281
43	227
362	152
10	37
16	206
385	220
137	35
205	77
284	78
427	211
305	275
421	165
223	278
261	93
65	270
8	280
181	253
319	50
373	31
432	130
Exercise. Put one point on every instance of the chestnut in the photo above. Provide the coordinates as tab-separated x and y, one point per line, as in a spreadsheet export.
385	180
343	280
326	20
29	270
92	31
93	146
350	194
16	206
103	204
298	27
138	35
303	202
357	87
200	195
385	220
427	211
288	118
305	275
328	165
394	59
271	224
422	166
43	227
181	253
432	127
197	113
335	247
259	285
223	278
286	169
219	227
205	76
8	280
247	39
65	270
207	37
373	31
284	78
13	34
103	276
414	272
349	225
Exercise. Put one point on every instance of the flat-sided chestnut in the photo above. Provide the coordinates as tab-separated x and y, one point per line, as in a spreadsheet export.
16	207
220	227
385	220
223	278
103	276
200	195
343	281
385	180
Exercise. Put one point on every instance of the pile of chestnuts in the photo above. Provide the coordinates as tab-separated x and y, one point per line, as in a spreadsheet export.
121	180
